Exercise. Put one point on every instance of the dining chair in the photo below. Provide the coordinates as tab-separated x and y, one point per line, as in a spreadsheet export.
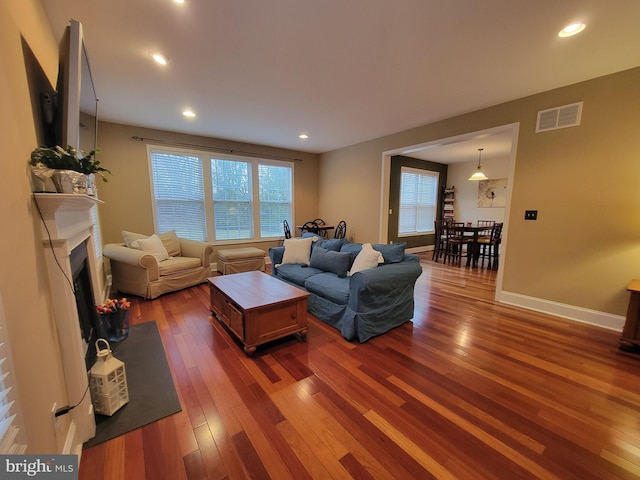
311	226
440	239
319	221
486	223
490	246
454	248
287	230
341	230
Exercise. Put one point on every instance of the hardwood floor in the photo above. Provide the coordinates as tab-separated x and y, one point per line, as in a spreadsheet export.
470	389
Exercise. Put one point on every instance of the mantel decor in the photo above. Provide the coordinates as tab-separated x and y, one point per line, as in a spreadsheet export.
70	169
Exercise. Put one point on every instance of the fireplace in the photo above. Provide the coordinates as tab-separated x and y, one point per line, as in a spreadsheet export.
87	315
76	286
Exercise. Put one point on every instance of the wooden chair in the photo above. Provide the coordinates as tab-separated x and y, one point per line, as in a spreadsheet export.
287	230
440	239
489	224
341	229
455	242
490	246
310	227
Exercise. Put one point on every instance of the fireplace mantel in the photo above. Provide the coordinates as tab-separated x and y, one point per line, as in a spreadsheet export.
67	222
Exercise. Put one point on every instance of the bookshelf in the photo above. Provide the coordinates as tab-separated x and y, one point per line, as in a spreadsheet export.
448	200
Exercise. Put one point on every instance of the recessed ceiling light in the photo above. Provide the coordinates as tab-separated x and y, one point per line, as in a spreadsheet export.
303	136
160	58
571	30
188	113
178	1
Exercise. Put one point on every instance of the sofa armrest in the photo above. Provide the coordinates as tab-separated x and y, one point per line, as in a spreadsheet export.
118	252
382	286
196	249
275	255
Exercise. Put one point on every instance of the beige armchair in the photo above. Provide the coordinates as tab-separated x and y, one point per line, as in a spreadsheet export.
139	272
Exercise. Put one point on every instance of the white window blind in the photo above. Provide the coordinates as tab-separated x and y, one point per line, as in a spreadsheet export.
275	198
232	199
418	201
12	439
178	192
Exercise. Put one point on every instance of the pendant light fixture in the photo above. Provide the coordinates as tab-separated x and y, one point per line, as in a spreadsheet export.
479	175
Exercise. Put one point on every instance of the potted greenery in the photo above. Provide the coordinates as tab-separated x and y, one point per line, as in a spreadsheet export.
72	170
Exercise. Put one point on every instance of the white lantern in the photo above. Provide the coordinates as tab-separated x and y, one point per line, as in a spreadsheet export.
108	382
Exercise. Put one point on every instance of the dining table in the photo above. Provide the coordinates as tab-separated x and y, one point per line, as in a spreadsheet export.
475	230
323	230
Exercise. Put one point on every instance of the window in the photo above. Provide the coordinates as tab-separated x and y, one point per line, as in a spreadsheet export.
178	194
418	201
246	198
275	198
12	436
232	209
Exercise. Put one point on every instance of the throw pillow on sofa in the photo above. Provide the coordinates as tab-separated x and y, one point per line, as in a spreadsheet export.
169	240
154	246
392	252
367	258
297	250
331	261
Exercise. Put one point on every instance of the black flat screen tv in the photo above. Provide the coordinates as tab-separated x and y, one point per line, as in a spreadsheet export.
77	102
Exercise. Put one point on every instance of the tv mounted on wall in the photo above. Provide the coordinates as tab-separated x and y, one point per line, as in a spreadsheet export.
77	100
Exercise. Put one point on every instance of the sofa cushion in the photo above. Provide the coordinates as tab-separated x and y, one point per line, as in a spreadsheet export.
328	285
393	252
130	237
351	248
178	264
154	246
297	250
297	274
332	244
331	261
367	258
171	243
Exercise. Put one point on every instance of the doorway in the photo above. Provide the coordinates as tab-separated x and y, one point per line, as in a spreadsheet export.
462	148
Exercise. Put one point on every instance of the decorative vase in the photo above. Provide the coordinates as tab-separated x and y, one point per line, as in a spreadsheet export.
114	326
70	181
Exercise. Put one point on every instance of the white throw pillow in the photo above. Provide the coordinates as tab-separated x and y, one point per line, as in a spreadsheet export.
154	246
131	238
367	258
297	250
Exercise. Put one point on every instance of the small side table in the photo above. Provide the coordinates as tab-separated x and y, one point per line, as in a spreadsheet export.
630	339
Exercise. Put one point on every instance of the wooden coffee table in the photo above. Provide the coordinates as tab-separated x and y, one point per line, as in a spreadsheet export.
258	308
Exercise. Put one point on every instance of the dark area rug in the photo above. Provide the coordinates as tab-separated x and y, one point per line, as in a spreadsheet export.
152	394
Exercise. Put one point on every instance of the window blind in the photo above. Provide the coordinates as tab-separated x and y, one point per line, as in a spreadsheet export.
275	198
179	194
232	205
11	435
418	201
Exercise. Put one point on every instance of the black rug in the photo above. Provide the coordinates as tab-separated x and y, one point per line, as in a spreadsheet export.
152	394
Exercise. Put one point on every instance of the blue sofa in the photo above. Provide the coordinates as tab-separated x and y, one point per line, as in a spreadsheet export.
363	305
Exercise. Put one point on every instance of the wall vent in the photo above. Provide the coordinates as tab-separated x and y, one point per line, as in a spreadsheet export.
559	117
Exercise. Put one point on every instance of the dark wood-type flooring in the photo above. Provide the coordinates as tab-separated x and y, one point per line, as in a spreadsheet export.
471	389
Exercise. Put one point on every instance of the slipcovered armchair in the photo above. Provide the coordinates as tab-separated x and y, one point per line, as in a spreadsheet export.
151	266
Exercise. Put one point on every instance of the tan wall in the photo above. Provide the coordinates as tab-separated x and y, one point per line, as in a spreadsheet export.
23	283
127	194
584	181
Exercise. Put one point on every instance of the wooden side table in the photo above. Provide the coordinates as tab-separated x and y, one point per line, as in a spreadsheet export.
630	339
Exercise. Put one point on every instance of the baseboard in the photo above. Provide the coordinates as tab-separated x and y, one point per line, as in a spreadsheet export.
570	312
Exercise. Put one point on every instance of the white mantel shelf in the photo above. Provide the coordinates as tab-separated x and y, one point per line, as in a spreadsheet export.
65	214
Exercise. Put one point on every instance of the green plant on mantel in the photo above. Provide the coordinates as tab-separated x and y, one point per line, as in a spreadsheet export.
58	158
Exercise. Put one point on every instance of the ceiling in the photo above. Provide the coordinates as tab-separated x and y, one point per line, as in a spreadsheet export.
341	71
